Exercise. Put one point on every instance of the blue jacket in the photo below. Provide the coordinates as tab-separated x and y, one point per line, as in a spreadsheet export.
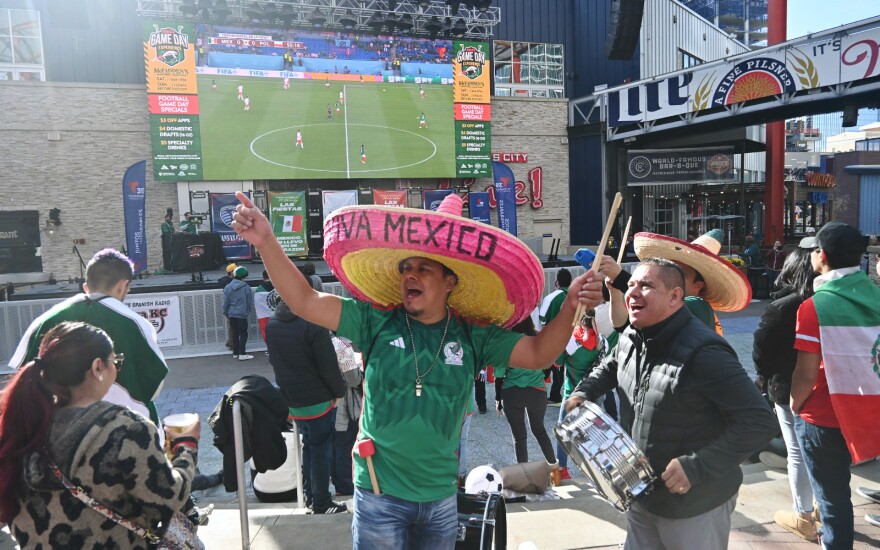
238	300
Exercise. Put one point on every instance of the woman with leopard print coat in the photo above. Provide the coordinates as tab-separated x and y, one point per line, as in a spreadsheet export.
52	409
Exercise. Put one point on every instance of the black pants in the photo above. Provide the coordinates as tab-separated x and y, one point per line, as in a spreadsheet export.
480	392
532	401
239	335
556	386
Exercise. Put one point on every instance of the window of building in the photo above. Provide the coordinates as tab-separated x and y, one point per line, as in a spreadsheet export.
686	60
21	45
529	69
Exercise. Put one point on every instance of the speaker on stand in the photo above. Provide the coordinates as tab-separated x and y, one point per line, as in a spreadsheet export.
624	28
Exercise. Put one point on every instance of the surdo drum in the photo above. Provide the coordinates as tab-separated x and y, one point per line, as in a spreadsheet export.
482	522
616	467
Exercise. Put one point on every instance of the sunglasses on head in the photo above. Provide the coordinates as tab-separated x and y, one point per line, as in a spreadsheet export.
119	362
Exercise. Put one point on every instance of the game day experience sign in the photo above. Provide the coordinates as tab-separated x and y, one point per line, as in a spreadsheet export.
172	97
473	115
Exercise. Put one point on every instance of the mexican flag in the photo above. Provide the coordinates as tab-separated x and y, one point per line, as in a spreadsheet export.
265	300
848	310
139	383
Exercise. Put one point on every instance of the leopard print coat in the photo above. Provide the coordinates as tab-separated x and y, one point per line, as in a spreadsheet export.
114	455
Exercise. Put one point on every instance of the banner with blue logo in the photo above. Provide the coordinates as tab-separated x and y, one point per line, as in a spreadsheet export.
433	197
478	204
222	208
134	209
505	195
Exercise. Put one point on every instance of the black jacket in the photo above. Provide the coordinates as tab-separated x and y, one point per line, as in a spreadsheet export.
684	395
263	417
304	360
773	349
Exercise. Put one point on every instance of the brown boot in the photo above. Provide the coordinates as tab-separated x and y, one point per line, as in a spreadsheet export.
555	474
792	521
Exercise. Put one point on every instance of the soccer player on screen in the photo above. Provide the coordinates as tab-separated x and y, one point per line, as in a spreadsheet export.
299	140
286	82
247	103
363	155
241	92
423	122
421	93
361	77
341	97
337	107
327	82
329	112
213	85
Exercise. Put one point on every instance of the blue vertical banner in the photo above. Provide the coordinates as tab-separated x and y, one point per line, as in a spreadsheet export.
433	197
134	209
478	205
505	195
222	209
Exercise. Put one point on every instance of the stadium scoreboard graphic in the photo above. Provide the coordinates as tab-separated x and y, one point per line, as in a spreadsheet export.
231	103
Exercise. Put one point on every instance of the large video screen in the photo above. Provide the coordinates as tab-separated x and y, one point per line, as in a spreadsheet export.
232	103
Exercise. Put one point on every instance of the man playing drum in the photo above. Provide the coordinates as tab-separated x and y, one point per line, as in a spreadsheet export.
689	406
432	290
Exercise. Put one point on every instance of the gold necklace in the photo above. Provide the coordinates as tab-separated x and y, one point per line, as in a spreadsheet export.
412	342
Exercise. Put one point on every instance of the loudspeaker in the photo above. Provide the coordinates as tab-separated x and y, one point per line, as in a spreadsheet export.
850	116
623	29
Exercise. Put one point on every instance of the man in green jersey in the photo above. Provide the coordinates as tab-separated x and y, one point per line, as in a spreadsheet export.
431	289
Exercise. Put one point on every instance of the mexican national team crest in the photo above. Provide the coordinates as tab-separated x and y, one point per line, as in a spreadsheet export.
170	44
453	354
471	60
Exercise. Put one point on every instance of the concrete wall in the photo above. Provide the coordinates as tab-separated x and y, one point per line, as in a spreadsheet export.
103	130
536	127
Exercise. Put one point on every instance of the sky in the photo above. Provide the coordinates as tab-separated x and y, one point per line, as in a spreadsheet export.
807	16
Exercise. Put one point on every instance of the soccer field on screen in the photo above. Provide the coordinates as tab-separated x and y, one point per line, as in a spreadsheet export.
384	118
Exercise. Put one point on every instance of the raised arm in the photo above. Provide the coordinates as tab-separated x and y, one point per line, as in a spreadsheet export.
316	307
539	352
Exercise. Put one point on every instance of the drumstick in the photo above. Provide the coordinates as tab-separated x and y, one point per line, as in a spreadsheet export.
609	225
367	449
623	242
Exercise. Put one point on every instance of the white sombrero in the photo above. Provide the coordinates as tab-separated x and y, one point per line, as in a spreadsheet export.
727	289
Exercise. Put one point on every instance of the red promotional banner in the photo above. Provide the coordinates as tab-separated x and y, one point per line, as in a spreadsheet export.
385	197
472	111
167	104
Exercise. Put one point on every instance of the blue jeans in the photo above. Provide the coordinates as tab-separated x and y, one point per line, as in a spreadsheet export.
798	478
383	521
341	471
828	461
317	435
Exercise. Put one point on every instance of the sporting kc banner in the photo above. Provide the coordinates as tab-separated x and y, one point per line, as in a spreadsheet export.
505	194
134	206
479	207
222	208
287	212
433	197
386	197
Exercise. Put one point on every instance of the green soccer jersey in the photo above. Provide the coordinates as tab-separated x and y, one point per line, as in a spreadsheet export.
416	437
520	378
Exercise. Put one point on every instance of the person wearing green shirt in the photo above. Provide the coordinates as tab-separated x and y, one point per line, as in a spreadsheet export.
187	225
432	292
549	309
167	225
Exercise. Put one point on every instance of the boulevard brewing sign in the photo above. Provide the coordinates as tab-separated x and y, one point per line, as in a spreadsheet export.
163	312
664	166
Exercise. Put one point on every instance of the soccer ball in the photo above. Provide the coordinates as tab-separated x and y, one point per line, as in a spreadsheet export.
483	479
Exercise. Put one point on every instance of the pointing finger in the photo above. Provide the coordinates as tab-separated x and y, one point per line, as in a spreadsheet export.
244	199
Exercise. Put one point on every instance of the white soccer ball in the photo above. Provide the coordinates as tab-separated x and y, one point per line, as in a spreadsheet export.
483	479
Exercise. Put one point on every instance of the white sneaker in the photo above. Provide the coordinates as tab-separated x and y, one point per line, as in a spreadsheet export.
235	356
871	494
245	357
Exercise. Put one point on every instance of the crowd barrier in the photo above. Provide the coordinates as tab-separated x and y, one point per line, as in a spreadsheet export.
202	325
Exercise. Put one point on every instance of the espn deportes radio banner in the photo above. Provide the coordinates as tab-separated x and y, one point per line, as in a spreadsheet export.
287	212
472	70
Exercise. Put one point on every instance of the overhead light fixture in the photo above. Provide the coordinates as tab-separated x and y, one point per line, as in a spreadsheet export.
433	27
188	8
376	22
405	23
317	19
483	5
459	29
424	3
454	6
348	21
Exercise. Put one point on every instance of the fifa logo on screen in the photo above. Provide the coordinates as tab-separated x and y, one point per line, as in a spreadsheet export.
471	60
170	45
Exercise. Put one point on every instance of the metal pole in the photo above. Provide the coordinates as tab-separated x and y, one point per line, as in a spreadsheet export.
239	471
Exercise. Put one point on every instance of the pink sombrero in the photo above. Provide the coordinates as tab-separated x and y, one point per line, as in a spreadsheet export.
500	279
727	289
